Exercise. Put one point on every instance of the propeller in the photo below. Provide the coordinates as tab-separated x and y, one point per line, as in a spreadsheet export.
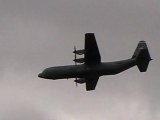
76	82
75	57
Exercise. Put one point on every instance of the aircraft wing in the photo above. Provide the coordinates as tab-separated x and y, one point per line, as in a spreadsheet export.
92	55
91	82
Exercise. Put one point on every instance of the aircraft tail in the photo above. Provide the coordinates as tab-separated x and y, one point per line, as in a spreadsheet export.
142	56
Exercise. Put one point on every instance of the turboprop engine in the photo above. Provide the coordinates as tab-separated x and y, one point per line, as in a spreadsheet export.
80	80
79	52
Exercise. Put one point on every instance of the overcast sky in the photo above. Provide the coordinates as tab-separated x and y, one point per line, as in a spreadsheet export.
35	34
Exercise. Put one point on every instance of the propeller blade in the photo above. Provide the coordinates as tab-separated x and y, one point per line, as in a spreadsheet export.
76	82
75	56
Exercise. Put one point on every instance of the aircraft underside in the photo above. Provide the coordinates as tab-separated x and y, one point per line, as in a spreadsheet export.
91	68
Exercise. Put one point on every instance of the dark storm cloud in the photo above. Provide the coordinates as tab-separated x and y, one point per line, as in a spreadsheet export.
35	34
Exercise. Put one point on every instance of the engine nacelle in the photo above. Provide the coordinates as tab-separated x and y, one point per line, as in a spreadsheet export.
80	80
79	60
79	52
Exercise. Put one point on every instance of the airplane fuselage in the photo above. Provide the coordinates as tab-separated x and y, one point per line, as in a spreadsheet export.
85	70
92	67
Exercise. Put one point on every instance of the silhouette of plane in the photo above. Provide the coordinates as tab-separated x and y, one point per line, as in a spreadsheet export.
93	68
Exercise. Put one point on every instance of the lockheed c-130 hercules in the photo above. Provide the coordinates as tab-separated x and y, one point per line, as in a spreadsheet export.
91	67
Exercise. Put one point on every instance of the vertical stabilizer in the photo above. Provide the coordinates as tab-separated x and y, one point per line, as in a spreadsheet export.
142	56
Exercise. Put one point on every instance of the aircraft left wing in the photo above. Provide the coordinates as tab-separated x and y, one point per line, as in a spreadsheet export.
92	55
91	82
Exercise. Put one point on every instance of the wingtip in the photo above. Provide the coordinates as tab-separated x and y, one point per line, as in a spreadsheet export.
89	33
142	41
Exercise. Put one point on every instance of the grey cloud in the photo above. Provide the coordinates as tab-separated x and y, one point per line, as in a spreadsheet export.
35	34
22	113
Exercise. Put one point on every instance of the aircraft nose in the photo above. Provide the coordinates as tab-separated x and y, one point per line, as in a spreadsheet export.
40	75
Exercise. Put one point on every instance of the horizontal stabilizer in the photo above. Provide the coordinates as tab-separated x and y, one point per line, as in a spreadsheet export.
142	56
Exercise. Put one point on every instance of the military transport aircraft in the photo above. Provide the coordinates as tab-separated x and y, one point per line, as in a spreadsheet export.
93	68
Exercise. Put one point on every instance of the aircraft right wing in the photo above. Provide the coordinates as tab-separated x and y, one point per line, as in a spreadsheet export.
92	55
91	82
